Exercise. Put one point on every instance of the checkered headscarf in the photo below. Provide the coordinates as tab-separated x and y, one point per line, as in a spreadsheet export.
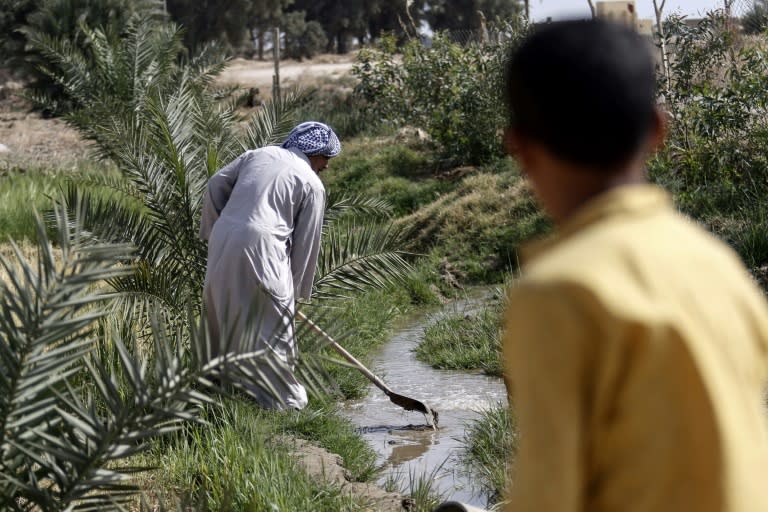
314	138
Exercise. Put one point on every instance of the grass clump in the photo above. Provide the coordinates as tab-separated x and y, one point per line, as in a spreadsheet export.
480	225
464	342
490	444
386	168
235	462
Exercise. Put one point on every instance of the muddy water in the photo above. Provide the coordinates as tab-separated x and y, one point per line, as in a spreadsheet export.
403	445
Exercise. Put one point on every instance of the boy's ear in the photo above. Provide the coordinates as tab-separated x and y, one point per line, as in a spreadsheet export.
517	145
659	130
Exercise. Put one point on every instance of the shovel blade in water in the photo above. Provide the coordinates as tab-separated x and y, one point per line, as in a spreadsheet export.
409	404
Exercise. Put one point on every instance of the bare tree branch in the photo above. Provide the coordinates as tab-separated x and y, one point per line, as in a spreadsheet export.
592	8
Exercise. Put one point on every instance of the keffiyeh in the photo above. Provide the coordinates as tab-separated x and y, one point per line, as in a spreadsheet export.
314	138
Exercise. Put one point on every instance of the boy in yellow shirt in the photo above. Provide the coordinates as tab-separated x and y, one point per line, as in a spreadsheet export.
636	344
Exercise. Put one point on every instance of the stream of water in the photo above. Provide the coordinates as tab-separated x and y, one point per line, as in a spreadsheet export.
404	447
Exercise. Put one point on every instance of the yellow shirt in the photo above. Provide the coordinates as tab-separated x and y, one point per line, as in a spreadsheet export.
636	353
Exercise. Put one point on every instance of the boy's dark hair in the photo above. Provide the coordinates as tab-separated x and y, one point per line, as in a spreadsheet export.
584	89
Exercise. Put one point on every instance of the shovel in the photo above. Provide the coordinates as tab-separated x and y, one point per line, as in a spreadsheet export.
409	404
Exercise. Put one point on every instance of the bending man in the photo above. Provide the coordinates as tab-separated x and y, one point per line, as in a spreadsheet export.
262	217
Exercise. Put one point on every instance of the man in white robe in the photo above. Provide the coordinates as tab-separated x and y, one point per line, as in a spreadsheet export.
262	217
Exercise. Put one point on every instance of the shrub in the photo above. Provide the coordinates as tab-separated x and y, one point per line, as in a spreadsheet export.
453	91
718	105
714	160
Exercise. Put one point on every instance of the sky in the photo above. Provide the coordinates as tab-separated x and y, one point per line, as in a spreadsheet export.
541	9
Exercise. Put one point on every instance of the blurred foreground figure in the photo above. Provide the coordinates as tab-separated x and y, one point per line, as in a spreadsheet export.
635	343
262	217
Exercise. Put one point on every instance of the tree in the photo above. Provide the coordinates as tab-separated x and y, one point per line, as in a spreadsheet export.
465	15
389	17
263	15
210	20
13	16
340	19
658	9
57	19
755	20
303	39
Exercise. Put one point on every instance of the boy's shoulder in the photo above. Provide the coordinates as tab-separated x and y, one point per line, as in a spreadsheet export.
640	256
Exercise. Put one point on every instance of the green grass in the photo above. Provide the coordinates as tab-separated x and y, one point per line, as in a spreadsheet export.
490	444
464	342
22	191
236	462
385	168
480	225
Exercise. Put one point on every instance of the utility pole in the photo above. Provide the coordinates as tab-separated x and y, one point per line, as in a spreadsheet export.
276	56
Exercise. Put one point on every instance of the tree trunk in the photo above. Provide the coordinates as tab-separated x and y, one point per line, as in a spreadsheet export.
658	9
261	44
341	42
592	8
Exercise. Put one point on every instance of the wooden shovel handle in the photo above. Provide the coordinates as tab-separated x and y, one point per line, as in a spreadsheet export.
346	355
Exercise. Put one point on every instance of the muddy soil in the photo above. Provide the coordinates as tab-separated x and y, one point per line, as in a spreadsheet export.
329	467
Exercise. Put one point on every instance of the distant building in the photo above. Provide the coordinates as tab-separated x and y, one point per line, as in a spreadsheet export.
619	11
645	27
624	12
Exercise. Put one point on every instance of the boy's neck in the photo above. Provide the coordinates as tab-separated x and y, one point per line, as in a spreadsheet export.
578	186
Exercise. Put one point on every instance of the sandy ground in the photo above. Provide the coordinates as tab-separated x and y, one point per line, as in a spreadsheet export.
258	74
28	140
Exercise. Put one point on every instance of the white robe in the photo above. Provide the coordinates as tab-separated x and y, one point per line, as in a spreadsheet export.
262	217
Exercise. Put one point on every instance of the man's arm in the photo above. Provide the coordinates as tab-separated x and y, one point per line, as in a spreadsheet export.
305	243
547	342
217	194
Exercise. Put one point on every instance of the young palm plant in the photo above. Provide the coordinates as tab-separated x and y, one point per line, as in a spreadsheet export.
173	135
69	412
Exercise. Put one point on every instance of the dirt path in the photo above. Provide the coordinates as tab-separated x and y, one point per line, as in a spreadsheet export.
254	73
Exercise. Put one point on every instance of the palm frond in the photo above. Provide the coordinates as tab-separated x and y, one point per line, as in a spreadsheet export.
274	120
356	258
340	204
45	331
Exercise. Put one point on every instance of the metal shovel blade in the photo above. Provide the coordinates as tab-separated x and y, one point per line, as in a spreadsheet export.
409	404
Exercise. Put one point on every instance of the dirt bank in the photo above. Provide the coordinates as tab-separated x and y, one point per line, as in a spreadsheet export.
329	467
